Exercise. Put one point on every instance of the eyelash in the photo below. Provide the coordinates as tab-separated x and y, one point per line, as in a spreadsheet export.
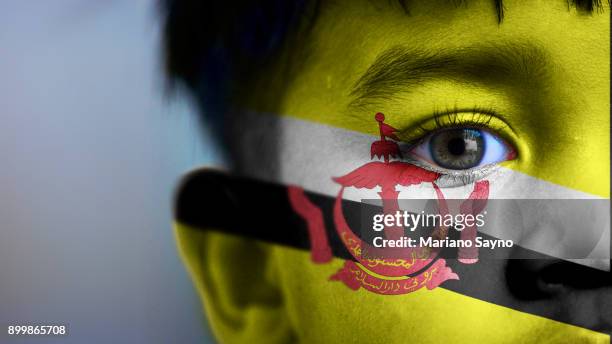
478	118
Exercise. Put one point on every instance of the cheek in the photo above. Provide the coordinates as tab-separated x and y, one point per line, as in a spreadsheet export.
326	311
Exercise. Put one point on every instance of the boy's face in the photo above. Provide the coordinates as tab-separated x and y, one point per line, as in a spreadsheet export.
539	82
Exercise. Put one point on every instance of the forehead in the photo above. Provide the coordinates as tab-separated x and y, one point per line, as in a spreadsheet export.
444	23
347	36
360	31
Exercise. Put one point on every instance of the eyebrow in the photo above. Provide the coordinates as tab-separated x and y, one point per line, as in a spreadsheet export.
400	69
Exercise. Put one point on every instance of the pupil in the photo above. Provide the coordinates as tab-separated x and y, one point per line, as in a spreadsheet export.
457	149
456	146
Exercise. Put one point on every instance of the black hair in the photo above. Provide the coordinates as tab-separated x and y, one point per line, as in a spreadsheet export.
214	46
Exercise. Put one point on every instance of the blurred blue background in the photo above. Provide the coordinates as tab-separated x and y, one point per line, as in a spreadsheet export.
91	148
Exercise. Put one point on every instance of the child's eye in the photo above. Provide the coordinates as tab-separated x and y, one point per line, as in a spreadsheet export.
461	149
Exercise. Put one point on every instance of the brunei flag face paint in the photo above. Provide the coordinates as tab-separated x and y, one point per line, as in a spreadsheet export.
415	268
511	118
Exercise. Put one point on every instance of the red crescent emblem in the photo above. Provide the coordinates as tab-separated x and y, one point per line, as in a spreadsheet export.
417	267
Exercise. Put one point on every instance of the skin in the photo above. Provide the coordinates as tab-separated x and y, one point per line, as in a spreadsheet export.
556	117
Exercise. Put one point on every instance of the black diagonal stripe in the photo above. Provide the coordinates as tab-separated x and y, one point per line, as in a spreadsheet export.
214	200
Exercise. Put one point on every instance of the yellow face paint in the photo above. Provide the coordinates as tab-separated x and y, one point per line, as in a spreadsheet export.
544	72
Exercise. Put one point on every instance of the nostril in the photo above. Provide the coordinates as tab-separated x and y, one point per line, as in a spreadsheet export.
533	279
557	274
523	280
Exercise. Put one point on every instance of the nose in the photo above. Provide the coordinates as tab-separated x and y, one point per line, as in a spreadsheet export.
536	279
